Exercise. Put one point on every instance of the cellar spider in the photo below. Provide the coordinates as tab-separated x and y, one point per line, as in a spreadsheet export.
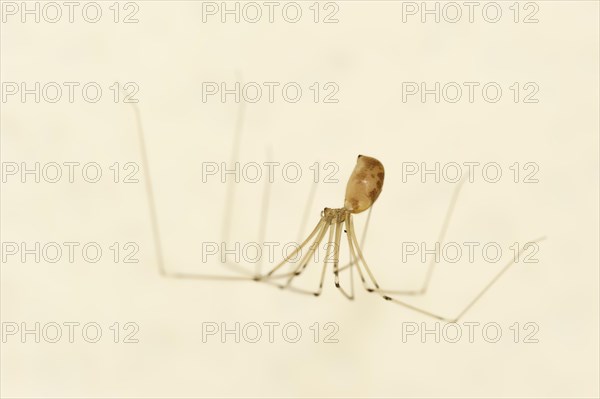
362	190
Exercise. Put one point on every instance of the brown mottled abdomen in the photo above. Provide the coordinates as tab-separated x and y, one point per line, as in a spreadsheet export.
364	185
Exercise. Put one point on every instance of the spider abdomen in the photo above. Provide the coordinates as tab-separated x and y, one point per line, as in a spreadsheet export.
364	185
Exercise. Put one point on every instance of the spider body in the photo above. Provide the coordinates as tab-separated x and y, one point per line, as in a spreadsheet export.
363	189
364	185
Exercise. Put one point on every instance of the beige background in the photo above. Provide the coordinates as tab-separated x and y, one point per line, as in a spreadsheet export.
369	53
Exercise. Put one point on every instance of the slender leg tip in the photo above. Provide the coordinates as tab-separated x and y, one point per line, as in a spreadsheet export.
387	298
316	293
370	289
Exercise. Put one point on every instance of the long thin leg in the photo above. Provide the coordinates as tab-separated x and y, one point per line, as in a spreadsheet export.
227	219
336	254
363	238
156	235
318	228
308	256
336	260
327	257
149	192
262	230
230	193
307	210
495	278
473	301
352	239
352	283
442	234
352	235
424	311
196	276
351	269
305	217
441	237
354	256
235	155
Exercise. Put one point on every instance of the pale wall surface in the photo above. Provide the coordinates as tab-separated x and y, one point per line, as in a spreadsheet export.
367	54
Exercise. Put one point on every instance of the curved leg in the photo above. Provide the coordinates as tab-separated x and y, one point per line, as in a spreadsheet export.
307	257
471	303
441	236
244	275
319	228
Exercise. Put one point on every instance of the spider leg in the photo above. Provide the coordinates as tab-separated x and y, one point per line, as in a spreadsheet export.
307	257
307	210
361	258
441	236
319	228
327	256
471	303
363	238
353	255
355	248
336	261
